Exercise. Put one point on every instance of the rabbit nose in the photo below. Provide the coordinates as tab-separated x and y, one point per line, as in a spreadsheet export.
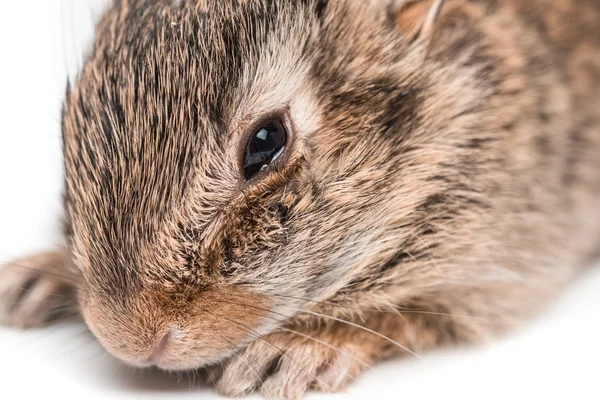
160	348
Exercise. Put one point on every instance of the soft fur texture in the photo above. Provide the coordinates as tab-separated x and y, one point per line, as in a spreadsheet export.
442	180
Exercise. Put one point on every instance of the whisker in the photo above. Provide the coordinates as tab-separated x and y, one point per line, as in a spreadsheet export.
326	303
53	296
386	338
334	319
73	279
236	349
59	308
397	309
327	344
282	353
368	366
213	377
316	340
444	314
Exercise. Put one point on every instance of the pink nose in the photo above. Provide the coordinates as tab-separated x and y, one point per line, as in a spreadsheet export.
160	348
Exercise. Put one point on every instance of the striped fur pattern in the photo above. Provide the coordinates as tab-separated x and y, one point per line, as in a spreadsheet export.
443	160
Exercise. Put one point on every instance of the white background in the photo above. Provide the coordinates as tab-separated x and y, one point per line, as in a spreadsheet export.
556	356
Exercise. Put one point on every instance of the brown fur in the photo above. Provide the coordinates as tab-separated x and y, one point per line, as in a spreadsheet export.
446	175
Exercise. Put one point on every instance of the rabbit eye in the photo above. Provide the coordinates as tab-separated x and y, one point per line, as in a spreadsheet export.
264	147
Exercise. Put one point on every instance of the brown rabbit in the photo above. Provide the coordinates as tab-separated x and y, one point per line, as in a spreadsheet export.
297	189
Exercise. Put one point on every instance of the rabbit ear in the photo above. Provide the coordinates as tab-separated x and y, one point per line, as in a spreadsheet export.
416	18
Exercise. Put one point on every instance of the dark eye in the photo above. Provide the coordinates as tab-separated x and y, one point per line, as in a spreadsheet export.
264	147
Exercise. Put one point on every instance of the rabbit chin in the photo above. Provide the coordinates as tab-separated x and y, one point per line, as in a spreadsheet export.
174	362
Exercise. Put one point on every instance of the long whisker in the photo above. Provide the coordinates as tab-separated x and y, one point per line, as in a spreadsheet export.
317	341
55	306
338	320
236	349
53	296
397	309
73	278
283	353
326	303
213	377
386	338
327	344
443	314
